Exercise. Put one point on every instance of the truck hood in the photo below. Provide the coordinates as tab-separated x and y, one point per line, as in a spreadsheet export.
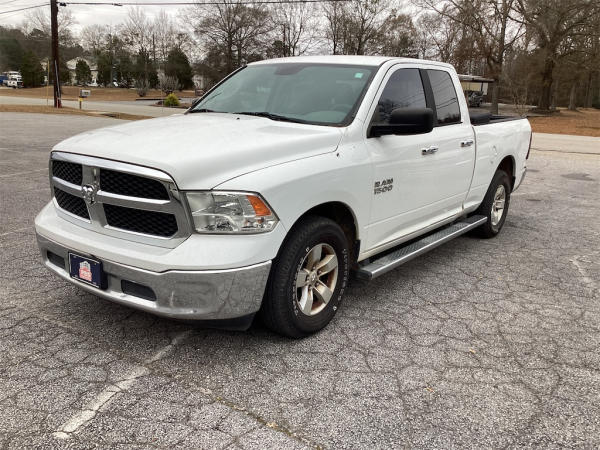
202	150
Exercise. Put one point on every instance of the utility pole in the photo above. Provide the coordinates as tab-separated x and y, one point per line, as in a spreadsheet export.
55	60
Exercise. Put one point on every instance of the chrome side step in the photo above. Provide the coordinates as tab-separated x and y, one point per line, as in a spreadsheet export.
404	254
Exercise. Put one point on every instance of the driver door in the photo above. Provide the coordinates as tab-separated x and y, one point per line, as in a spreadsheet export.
414	188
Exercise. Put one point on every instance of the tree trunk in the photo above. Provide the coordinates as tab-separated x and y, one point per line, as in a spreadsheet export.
554	97
573	97
229	62
588	90
546	85
495	90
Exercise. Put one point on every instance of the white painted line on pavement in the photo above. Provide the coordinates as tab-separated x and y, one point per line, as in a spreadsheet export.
88	413
18	230
584	276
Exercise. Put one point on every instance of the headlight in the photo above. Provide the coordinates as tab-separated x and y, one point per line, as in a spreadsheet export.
230	212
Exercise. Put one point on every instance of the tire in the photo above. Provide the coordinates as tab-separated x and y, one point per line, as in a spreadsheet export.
489	206
294	303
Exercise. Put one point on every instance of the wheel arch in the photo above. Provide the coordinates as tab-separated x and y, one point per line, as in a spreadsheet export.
508	165
343	215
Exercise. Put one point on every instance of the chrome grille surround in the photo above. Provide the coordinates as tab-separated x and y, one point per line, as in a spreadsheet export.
97	221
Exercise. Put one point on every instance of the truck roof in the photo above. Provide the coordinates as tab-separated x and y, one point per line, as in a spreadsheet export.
359	60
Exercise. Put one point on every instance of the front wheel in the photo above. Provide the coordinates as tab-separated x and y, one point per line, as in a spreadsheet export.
308	278
495	205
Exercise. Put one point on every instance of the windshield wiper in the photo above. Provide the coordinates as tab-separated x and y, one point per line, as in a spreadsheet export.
271	116
201	110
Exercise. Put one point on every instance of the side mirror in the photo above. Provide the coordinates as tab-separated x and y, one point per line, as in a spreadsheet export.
405	121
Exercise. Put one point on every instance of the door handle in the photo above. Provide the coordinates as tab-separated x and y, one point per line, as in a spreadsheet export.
467	143
429	150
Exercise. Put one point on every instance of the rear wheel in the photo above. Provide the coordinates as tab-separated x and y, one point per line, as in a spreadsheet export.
495	205
308	278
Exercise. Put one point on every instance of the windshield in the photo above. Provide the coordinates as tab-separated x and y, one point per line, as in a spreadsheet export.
323	94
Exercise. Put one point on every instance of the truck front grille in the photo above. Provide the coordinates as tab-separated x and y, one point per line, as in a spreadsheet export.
119	199
139	221
133	185
67	171
70	203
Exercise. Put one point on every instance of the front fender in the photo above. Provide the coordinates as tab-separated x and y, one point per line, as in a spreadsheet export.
296	187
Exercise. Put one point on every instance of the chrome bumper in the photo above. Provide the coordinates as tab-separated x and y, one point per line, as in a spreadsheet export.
195	295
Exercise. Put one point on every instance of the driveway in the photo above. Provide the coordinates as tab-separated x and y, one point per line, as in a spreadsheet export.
480	343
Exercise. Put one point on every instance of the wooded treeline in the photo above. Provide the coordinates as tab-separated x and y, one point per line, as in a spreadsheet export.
540	52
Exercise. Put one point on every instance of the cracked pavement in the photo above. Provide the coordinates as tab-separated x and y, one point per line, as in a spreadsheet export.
480	343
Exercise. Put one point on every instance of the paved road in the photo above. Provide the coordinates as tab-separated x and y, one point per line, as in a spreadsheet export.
478	344
128	107
566	143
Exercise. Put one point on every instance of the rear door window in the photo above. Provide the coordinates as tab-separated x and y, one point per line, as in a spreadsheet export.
444	94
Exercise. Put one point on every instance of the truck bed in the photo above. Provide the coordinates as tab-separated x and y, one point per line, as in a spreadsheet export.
485	117
497	137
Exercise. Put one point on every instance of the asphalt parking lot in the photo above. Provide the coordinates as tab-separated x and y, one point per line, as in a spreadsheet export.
480	343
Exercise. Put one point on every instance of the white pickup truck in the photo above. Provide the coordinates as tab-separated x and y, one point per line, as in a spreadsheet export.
275	185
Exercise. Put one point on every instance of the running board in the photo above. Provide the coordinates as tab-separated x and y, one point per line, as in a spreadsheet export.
404	254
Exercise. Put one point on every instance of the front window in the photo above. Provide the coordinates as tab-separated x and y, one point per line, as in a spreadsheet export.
404	89
322	94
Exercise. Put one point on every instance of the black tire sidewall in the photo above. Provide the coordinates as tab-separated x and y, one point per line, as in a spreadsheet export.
318	321
500	177
311	232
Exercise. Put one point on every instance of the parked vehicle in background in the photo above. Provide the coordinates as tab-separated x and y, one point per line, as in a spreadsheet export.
15	84
276	184
12	79
475	98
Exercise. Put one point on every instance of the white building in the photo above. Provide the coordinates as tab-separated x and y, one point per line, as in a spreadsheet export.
72	64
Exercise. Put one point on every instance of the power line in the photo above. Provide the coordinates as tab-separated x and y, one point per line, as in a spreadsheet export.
23	9
10	1
222	2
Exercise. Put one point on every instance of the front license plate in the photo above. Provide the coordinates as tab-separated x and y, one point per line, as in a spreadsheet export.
86	270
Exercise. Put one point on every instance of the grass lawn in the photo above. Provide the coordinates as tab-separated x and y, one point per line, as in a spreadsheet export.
584	122
42	109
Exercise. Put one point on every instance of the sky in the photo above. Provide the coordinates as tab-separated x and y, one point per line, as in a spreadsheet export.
85	15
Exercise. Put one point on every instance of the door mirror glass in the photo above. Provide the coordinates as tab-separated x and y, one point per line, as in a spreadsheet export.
405	121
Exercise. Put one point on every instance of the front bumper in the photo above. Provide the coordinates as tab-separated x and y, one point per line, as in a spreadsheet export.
178	294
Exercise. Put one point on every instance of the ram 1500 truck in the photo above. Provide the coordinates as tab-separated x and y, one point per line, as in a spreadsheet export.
275	185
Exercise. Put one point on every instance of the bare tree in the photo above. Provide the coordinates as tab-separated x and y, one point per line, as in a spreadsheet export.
398	36
168	84
164	36
296	25
353	28
367	17
438	36
93	37
40	20
335	17
487	24
554	23
233	29
334	13
138	30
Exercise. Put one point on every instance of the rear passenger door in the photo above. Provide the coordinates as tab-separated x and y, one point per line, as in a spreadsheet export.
453	135
421	188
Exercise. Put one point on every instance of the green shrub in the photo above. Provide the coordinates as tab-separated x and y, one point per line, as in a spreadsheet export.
171	100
